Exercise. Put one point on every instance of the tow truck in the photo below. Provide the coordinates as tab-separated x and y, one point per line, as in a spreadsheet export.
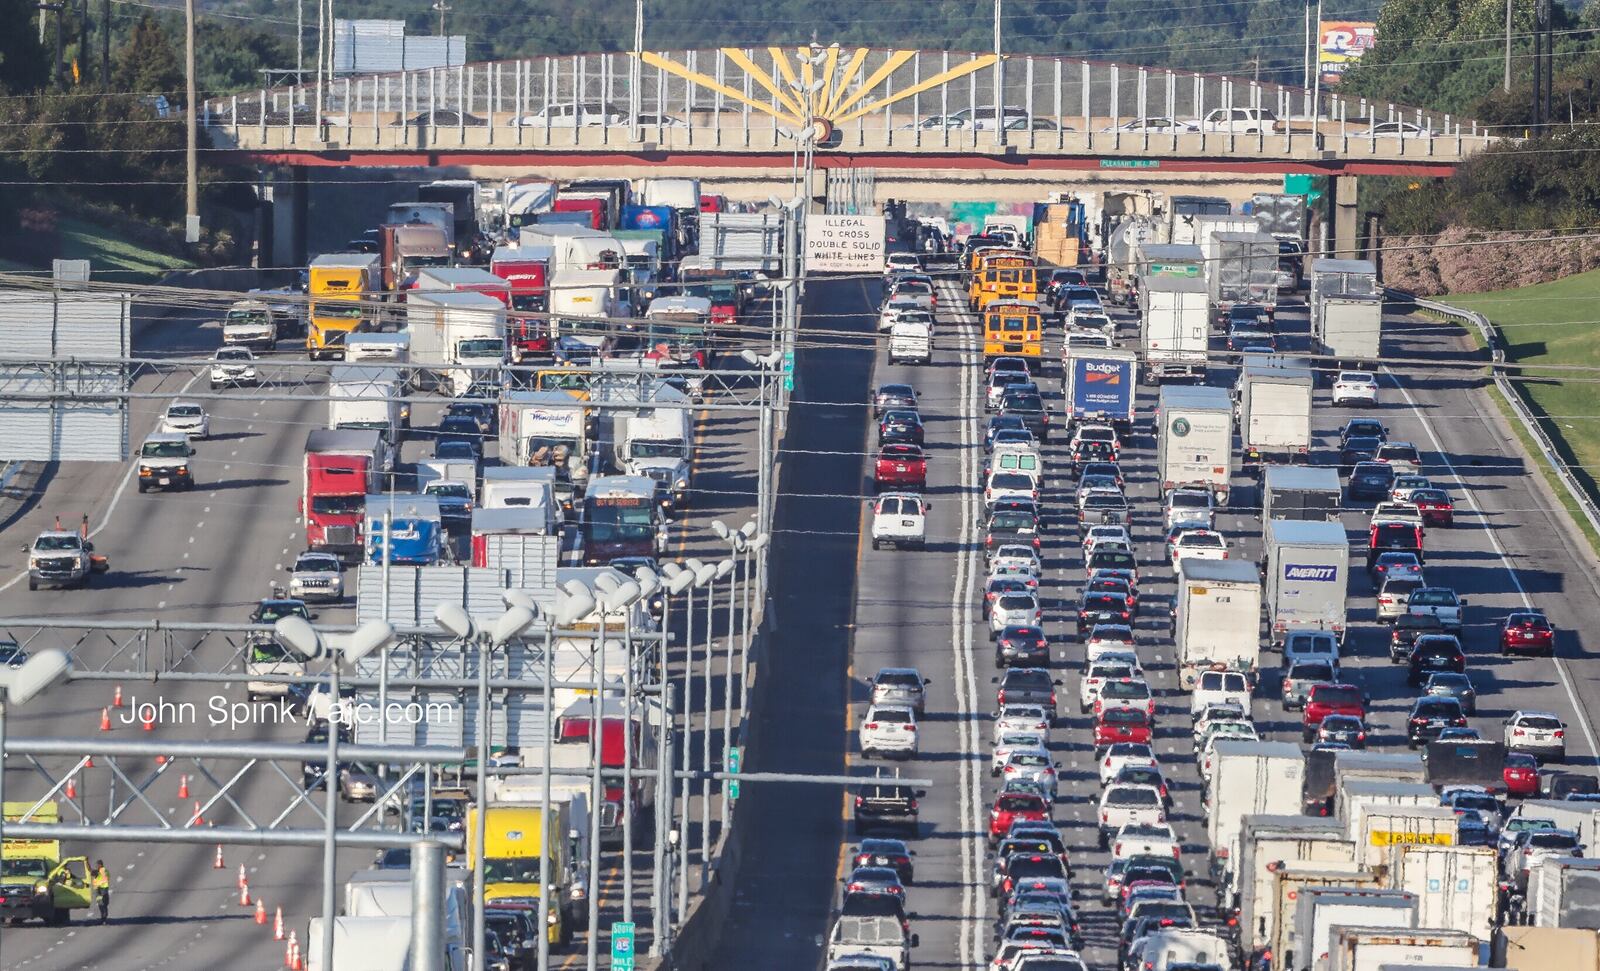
63	558
35	882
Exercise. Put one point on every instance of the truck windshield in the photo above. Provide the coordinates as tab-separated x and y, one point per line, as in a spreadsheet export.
626	518
657	450
247	317
339	310
165	450
454	490
30	868
543	450
480	347
519	870
268	652
55	543
337	505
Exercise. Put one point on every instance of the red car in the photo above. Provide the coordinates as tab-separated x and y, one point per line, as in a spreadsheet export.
901	467
1527	632
1436	506
1013	806
1521	774
1115	725
1331	699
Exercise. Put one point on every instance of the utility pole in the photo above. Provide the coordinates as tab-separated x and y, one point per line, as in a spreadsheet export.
636	72
299	41
83	42
191	223
105	44
1506	84
999	81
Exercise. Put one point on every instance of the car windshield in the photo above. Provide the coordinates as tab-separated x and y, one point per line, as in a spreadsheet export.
272	612
317	562
1552	840
900	679
1433	598
1115	559
1127	716
452	490
1405	453
1126	690
1018	601
1020	803
165	450
184	411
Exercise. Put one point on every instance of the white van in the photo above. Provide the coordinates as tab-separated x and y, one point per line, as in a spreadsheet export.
899	519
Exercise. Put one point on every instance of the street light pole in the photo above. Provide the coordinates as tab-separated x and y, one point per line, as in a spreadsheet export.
191	222
999	80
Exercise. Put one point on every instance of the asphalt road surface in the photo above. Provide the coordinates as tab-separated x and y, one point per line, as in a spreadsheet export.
1508	549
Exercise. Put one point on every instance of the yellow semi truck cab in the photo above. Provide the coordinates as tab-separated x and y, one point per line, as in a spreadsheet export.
35	882
338	283
514	838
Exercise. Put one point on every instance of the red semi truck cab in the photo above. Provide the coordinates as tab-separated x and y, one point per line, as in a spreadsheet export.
340	469
595	208
574	727
527	271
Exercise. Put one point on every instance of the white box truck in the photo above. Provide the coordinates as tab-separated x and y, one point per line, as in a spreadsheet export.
546	428
368	396
1250	778
1564	891
911	341
1187	946
1321	909
1290	883
1174	329
457	337
1242	268
1194	438
1268	842
1372	948
1455	885
1357	794
1351	327
1378	827
1274	414
1307	572
1218	618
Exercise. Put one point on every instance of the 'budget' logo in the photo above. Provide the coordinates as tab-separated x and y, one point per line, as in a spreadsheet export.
1300	571
1102	373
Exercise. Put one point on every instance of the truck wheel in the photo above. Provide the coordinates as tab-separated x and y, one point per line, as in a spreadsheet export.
34	584
83	582
875	543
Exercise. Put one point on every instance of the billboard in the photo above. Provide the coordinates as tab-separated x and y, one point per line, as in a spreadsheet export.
1341	44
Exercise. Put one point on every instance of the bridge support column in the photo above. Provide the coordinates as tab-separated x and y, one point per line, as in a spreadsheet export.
1342	218
289	197
300	216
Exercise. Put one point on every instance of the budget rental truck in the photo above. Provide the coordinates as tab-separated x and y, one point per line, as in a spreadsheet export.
1101	384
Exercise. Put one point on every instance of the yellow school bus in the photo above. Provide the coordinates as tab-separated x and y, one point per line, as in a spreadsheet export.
1004	276
1013	327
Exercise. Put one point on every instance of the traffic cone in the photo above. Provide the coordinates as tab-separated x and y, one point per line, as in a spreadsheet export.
161	760
295	962
244	895
72	788
105	719
217	864
88	761
116	697
195	820
242	878
183	787
261	912
148	722
277	924
288	951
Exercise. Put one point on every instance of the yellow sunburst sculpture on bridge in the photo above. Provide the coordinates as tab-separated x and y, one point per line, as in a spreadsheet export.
820	91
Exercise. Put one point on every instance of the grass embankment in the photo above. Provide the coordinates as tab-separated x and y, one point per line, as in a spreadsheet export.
113	258
1554	324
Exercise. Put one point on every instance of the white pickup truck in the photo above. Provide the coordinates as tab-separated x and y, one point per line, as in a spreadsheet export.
899	519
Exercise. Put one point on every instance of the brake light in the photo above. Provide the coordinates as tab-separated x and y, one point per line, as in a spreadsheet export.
1560	733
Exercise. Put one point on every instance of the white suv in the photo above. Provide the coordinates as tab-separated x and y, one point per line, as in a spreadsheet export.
1240	121
889	730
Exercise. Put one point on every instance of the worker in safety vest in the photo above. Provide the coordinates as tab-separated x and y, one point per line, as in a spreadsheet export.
100	881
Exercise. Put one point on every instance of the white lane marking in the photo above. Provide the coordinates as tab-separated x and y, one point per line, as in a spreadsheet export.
1505	561
116	497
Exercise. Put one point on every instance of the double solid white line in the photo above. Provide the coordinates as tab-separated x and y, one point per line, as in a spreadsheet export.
970	942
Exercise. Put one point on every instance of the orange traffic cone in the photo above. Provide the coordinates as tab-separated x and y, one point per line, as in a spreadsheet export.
261	912
183	787
148	722
217	864
105	719
161	760
242	878
116	697
294	961
195	820
288	951
277	924
72	788
244	895
88	761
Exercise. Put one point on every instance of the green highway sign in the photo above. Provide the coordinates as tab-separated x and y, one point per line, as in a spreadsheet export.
1130	163
735	759
622	946
788	382
1174	269
788	362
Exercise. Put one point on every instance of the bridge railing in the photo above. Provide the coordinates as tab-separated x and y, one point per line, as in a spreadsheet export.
747	99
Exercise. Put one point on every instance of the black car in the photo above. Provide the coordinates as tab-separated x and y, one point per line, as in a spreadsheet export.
1011	526
1430	716
459	428
1371	481
883	851
1407	628
1434	654
1102	608
1249	315
900	427
886	805
481	412
1564	785
999	423
1344	730
1028	406
1021	646
1358	449
1108	469
1027	686
893	396
1092	453
312	770
1363	428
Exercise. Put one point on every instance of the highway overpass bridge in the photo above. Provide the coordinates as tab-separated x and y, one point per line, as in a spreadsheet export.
925	122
